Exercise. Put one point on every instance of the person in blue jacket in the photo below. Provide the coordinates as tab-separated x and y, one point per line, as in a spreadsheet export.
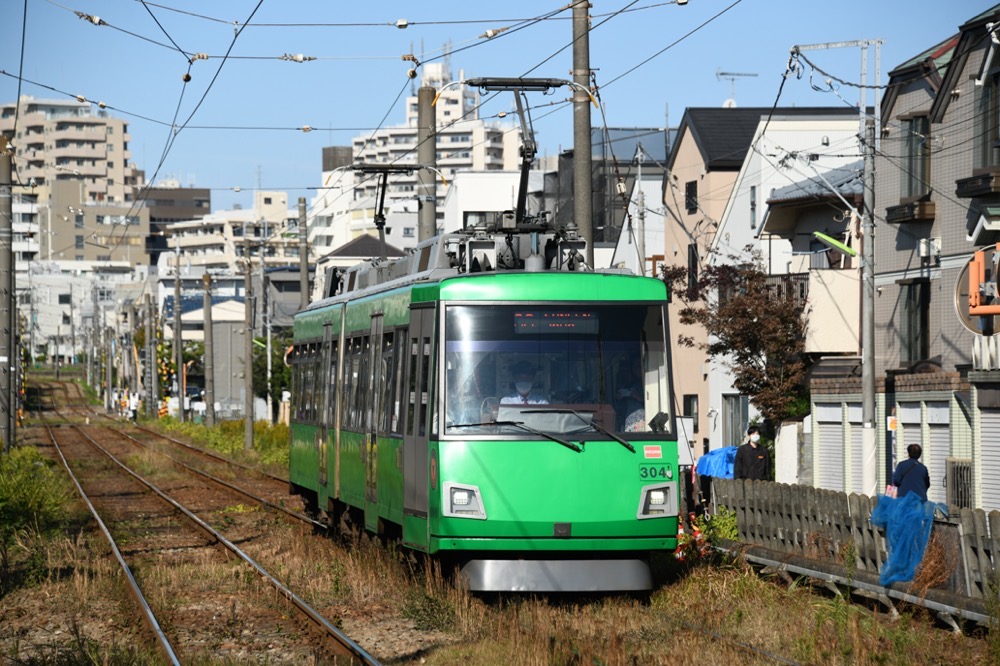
911	475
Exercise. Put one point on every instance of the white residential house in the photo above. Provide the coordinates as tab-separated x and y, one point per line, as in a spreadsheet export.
785	149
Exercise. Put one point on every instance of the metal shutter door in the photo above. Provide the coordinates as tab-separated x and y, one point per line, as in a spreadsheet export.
857	460
990	450
936	453
831	456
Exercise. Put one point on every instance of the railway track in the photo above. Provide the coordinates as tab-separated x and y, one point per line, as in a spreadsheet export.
143	446
176	537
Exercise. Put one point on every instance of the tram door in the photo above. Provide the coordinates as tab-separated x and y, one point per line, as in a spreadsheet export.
327	366
372	410
417	410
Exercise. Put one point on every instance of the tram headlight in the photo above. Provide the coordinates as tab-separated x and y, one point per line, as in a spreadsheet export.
658	501
461	500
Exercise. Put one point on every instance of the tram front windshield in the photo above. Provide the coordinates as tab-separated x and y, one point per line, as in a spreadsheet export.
572	370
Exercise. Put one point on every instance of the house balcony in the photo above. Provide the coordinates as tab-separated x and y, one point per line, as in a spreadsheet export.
833	311
915	211
979	185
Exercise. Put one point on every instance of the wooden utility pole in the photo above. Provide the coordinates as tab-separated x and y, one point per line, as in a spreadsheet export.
248	346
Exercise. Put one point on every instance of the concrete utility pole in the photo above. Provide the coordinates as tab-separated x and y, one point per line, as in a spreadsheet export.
426	156
583	204
206	280
248	346
152	379
869	445
7	386
178	335
72	328
303	256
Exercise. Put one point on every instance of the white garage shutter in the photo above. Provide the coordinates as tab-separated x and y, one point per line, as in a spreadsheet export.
936	452
857	459
990	463
830	456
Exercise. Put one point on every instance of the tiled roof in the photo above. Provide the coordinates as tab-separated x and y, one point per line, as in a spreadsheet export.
364	245
848	180
724	134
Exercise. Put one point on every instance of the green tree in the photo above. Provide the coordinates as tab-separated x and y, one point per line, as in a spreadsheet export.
755	326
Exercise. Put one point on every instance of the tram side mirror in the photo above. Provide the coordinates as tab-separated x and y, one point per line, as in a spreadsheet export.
659	422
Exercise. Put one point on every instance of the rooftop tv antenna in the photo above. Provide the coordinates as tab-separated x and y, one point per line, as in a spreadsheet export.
732	76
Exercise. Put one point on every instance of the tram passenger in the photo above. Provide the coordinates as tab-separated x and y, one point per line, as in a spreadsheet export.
524	391
629	399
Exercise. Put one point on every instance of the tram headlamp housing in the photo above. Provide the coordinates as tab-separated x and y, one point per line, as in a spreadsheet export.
460	500
658	501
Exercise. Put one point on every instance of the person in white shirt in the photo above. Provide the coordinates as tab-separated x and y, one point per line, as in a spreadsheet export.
524	392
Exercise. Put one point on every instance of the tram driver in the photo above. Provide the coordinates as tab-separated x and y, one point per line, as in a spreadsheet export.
524	391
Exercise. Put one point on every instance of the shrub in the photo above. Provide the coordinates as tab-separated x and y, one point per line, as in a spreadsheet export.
32	499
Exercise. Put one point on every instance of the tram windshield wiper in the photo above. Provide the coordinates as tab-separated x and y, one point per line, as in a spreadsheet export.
591	422
520	424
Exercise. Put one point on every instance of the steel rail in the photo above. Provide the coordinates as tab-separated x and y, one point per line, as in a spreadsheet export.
147	613
222	482
339	636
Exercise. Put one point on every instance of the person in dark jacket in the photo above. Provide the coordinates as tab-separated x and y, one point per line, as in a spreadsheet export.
911	475
753	461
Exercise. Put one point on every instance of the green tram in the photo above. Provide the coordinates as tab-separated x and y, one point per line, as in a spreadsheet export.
494	404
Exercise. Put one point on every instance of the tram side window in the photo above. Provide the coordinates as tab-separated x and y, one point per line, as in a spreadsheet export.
296	388
394	403
350	379
411	394
425	361
385	381
308	387
332	385
353	418
362	395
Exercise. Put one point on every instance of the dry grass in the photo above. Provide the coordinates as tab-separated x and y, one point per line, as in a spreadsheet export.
936	567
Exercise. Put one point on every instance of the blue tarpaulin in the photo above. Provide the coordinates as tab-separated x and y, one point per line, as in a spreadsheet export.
718	463
907	522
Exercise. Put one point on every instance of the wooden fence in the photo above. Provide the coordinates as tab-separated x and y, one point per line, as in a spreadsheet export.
833	527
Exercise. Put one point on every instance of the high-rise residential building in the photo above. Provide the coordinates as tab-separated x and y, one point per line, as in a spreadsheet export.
466	141
59	140
72	161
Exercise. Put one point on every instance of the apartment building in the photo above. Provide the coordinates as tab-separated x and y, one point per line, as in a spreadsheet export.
66	140
466	141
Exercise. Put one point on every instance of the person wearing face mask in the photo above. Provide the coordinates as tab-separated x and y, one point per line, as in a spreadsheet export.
524	392
753	461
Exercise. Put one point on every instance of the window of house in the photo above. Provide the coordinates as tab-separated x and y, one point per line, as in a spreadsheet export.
78	220
692	267
691	196
65	299
690	407
914	308
408	232
78	243
987	149
267	200
916	169
753	206
735	418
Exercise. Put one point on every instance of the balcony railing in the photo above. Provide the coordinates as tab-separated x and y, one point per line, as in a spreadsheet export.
793	285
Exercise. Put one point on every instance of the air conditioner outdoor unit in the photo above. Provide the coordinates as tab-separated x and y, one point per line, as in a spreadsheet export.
929	247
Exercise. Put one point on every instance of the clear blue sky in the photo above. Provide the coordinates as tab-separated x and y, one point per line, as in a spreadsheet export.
359	72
